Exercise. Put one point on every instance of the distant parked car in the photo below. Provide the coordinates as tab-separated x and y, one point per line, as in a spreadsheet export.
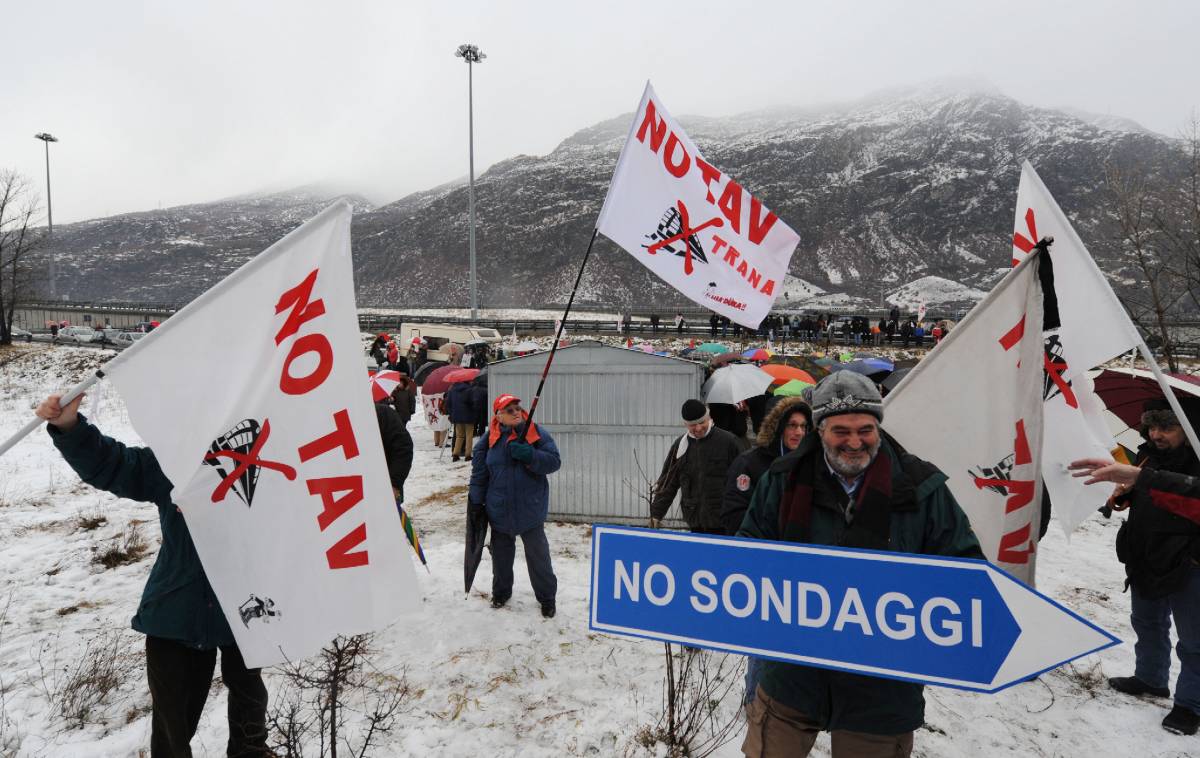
20	334
76	334
125	339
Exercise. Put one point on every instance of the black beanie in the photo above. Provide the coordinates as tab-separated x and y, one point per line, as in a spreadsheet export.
693	411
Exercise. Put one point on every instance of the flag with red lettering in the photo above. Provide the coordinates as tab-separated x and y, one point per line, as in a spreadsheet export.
1088	327
692	225
253	401
973	408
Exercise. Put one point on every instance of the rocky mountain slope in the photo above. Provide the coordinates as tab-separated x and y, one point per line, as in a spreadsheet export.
884	192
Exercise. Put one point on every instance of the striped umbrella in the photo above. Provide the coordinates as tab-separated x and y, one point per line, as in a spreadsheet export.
411	533
383	383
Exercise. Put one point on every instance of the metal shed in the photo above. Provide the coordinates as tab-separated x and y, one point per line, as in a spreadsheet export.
609	409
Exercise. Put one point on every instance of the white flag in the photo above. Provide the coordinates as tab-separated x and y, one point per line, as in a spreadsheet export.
693	226
1094	329
253	400
973	408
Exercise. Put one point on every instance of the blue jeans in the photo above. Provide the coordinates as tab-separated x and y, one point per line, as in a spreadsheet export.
1151	620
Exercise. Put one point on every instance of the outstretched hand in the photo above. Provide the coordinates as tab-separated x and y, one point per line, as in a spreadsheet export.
54	413
1105	470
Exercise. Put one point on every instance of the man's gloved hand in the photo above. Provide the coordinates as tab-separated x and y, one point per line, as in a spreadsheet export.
521	451
474	508
655	523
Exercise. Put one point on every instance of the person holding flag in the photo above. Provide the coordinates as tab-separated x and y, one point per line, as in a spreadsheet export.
509	467
179	613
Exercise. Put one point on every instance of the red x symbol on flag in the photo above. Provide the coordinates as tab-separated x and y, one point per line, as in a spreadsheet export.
1054	370
1023	243
245	461
685	231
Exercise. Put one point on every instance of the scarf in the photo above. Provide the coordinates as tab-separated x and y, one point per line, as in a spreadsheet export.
871	512
495	430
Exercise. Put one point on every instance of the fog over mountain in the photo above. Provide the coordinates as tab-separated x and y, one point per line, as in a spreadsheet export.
888	194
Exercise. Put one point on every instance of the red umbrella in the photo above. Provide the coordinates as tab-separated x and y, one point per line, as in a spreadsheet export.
1124	391
383	383
783	373
461	375
435	381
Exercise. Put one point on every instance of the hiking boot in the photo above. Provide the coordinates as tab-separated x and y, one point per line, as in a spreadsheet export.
1182	721
1131	685
498	602
454	459
548	611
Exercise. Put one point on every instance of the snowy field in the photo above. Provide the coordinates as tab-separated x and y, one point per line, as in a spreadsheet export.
484	682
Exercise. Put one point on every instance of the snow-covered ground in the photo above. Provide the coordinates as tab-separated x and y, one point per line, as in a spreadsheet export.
486	682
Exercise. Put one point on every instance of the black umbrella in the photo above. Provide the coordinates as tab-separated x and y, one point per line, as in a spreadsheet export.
477	528
894	378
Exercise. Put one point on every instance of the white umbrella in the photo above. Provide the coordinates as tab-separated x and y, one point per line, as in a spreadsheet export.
736	382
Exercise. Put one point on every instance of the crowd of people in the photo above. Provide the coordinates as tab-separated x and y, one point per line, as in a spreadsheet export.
819	469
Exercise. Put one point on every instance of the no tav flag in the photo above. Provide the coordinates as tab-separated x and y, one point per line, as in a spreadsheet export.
692	225
254	401
973	408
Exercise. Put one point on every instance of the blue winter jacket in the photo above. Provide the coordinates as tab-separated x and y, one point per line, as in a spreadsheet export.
517	495
178	603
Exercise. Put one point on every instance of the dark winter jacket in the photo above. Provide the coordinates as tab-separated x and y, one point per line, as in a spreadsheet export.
459	407
177	603
924	518
397	445
404	400
700	473
517	495
749	467
479	401
1159	544
729	418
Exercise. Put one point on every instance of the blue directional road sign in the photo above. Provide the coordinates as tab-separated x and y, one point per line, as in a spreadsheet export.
953	622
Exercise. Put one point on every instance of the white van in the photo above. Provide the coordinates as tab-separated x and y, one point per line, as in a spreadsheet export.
438	335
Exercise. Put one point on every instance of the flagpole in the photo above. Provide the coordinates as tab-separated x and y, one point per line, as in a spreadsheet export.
1170	395
562	324
35	422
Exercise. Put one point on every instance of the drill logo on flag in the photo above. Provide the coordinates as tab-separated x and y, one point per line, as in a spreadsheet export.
675	228
242	445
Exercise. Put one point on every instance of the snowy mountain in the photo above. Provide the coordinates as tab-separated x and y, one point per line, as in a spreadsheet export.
884	192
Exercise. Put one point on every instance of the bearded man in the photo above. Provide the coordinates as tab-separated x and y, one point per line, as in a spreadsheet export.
849	485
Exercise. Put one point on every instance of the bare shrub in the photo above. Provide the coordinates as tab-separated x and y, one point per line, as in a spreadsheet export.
128	547
694	722
337	701
91	519
79	689
10	734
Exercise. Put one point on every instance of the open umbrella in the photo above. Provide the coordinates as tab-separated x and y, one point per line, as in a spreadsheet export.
1124	391
756	354
435	381
782	374
383	383
894	378
733	384
461	375
814	367
791	388
869	366
477	528
716	348
646	347
723	358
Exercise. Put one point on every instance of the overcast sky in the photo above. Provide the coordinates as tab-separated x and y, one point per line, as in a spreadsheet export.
164	103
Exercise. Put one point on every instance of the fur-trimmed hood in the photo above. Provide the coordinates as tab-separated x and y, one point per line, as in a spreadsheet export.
768	432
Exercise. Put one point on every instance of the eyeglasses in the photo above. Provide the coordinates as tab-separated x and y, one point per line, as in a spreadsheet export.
797	426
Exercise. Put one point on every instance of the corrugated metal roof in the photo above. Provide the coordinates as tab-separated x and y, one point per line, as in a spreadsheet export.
611	411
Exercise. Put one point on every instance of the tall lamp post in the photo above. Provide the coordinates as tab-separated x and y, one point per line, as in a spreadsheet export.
47	137
471	54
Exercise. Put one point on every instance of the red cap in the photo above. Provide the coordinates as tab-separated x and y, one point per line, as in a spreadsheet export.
503	401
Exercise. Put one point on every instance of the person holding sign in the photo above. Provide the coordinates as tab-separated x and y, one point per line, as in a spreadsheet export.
849	485
508	477
178	612
1160	546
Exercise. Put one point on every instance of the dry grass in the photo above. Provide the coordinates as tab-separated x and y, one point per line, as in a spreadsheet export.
128	547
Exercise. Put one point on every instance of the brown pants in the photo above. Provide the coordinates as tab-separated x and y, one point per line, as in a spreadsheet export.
774	729
464	439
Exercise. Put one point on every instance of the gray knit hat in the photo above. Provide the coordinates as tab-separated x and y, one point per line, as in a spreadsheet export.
846	392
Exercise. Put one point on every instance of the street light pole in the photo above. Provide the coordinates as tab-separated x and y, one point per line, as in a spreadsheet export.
47	138
471	54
